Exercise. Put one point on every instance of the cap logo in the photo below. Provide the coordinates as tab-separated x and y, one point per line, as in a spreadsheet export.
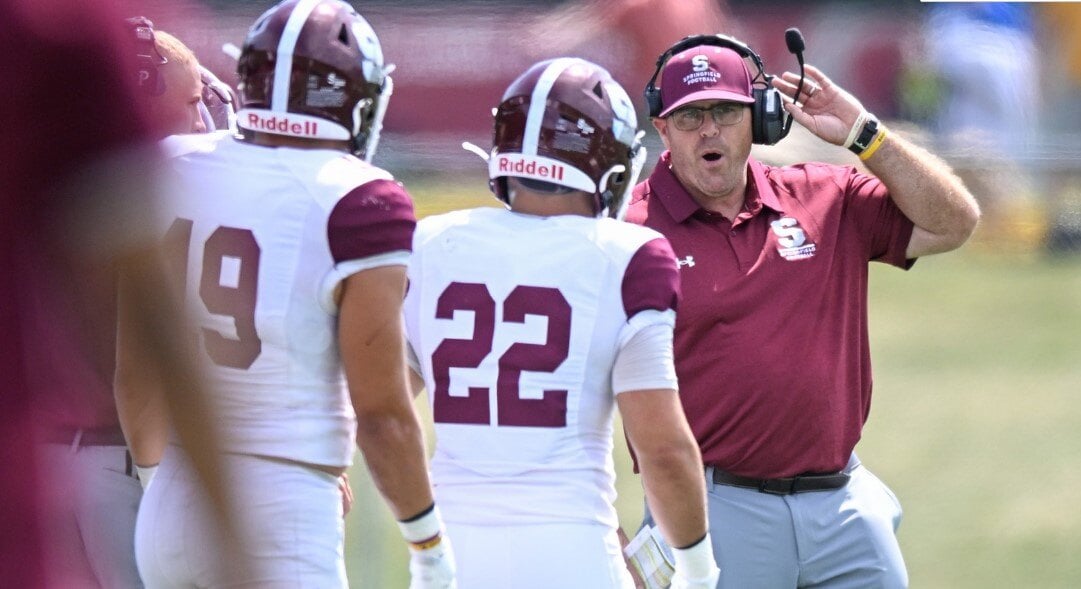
701	72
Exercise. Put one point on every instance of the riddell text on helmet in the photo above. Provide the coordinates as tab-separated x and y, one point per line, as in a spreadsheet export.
554	171
282	125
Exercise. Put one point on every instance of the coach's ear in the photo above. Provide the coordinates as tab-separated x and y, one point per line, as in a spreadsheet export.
661	125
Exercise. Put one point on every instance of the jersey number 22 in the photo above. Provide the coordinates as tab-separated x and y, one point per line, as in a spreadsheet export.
511	410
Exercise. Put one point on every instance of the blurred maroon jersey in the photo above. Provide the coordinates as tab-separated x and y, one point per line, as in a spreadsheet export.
69	104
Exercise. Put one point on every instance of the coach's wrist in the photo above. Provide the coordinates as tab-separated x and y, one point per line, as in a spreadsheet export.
863	133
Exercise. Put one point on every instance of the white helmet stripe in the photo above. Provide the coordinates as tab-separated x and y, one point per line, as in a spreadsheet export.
283	69
538	102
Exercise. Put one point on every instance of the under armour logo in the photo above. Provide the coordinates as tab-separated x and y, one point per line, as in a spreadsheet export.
688	261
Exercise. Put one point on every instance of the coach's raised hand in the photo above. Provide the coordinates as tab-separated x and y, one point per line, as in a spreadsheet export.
824	108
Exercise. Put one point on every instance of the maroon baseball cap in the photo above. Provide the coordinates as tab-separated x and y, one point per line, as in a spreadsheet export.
705	72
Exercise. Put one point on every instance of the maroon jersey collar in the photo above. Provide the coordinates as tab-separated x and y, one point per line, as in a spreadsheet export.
680	205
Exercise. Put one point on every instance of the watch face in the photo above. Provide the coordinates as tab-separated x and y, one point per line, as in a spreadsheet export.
868	133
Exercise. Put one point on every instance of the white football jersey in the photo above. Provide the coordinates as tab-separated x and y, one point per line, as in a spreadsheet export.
262	237
516	321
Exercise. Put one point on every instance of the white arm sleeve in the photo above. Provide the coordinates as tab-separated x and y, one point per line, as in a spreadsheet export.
328	290
645	361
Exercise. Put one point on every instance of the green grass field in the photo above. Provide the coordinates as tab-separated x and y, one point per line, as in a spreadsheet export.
976	420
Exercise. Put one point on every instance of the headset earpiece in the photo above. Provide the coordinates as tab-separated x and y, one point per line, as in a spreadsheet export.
147	56
653	101
768	115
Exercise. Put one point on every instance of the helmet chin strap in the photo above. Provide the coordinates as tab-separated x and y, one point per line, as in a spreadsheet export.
475	149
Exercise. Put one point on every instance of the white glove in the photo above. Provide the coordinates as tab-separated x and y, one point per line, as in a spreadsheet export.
433	568
695	567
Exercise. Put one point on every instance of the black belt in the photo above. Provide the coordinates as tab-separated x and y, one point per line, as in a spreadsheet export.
787	486
102	436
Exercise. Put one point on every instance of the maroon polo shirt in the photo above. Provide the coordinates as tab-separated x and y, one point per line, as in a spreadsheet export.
771	343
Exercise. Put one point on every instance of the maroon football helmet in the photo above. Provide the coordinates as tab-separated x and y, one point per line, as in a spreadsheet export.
567	122
314	69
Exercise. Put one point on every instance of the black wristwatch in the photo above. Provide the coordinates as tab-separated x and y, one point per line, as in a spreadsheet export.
863	140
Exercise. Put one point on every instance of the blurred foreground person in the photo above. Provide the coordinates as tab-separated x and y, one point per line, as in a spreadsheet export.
92	537
530	325
771	341
292	251
77	192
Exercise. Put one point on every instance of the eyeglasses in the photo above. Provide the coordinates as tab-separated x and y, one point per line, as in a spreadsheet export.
725	114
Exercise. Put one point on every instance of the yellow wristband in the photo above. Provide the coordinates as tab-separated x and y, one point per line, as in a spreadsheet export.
875	144
426	544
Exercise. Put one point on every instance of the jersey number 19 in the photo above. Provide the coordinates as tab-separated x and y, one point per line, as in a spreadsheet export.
232	295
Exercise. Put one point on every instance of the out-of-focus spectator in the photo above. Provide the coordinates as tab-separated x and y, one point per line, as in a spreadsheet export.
77	183
986	60
982	63
1062	125
646	26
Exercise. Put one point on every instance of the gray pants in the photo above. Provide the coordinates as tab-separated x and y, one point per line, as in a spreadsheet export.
91	525
839	539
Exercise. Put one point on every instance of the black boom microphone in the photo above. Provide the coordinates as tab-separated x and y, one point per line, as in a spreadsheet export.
794	40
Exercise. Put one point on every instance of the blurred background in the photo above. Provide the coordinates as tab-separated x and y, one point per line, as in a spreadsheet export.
976	422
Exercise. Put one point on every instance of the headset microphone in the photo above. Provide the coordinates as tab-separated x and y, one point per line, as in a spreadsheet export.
794	40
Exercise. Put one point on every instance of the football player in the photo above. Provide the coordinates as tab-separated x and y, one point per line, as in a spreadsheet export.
170	79
530	324
292	252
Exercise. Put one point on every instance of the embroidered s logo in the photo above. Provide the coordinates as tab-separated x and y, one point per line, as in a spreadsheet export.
789	233
792	239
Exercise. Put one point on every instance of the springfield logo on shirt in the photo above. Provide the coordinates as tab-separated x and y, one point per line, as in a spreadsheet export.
792	240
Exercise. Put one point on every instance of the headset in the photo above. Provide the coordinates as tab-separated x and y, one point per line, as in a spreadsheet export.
769	121
147	56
